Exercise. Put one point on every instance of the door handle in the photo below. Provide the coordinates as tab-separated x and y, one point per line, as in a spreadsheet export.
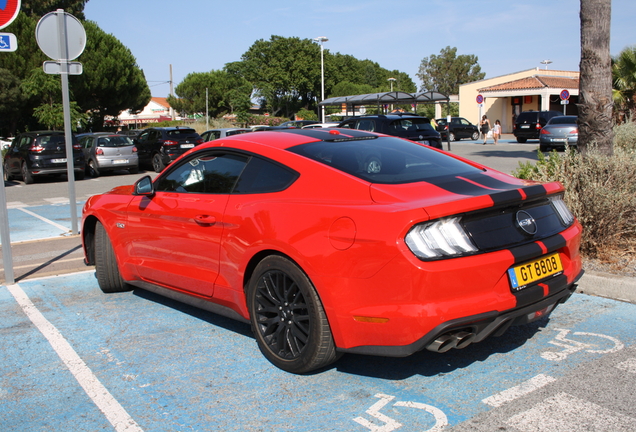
205	219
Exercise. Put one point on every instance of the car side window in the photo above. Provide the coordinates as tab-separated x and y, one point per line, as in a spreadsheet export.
25	142
366	125
348	125
143	137
263	176
213	173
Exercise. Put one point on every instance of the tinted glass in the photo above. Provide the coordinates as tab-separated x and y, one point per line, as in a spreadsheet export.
410	125
207	173
385	160
563	120
180	133
261	176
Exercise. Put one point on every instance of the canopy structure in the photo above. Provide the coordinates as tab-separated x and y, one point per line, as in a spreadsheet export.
394	97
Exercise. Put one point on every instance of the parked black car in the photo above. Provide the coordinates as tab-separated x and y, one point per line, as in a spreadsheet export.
161	145
459	128
528	124
39	153
403	125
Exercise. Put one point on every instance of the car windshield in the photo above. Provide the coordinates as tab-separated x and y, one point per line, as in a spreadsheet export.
114	141
385	160
563	120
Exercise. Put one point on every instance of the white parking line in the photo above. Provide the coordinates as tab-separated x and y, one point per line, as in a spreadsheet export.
516	392
628	365
48	221
114	412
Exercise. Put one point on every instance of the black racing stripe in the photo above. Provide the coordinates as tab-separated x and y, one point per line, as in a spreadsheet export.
459	186
502	198
526	252
557	284
535	191
491	182
554	243
528	295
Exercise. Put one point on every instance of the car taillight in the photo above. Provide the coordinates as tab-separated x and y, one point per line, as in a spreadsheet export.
199	141
170	143
99	151
544	132
538	126
574	131
442	238
134	149
562	209
77	146
36	148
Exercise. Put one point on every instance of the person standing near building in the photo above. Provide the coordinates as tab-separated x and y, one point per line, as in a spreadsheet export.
496	131
484	127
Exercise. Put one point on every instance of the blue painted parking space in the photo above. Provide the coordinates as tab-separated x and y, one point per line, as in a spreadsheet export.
167	367
38	222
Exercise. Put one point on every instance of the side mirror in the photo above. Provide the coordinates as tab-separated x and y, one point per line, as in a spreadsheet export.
144	186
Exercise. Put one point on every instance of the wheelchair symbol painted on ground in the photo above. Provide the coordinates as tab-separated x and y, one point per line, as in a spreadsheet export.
441	421
571	346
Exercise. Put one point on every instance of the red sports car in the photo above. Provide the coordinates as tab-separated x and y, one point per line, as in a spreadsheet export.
334	241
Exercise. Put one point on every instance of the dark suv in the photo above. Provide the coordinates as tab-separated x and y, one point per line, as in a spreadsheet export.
459	128
529	123
41	153
409	126
161	145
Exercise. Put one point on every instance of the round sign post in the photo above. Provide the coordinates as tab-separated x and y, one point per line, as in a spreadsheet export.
565	96
62	37
8	43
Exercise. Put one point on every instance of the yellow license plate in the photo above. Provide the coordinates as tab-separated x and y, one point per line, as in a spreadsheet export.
525	274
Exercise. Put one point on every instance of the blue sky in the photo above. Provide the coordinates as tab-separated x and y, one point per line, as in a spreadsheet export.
203	35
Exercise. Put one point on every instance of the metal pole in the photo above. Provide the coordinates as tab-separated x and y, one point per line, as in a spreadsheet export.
7	256
322	76
62	40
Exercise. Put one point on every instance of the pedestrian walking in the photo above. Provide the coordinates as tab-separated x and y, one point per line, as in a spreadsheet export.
496	131
484	127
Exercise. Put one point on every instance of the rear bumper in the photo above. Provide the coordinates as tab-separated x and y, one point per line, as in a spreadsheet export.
475	328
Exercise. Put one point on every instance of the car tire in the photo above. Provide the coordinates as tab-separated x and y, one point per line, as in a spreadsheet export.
106	269
7	173
288	319
475	136
26	174
80	175
521	140
453	137
157	163
93	171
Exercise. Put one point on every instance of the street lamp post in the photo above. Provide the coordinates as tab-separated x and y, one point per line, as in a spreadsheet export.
391	80
546	63
322	40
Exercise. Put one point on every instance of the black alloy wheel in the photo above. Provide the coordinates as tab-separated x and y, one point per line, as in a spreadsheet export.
287	317
157	163
106	268
26	174
6	173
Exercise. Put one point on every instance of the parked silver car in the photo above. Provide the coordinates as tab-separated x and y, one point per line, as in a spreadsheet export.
558	132
108	152
213	134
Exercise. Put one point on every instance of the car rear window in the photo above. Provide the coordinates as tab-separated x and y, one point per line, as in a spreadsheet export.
114	141
181	133
563	120
385	160
51	140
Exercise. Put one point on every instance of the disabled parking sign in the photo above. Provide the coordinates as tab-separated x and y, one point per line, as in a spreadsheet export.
8	42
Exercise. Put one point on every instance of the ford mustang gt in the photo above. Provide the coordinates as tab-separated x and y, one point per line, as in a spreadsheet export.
332	241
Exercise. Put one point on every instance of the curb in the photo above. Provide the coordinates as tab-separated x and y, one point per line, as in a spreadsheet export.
607	285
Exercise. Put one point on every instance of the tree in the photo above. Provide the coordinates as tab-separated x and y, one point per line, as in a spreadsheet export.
447	71
11	100
624	80
226	92
111	81
595	85
39	8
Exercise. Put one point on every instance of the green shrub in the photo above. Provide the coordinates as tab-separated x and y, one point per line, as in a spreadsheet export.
625	136
600	191
306	115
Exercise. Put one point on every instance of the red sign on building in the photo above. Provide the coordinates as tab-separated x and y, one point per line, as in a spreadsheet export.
8	11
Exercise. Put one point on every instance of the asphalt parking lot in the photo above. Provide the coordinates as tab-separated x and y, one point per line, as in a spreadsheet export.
74	358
